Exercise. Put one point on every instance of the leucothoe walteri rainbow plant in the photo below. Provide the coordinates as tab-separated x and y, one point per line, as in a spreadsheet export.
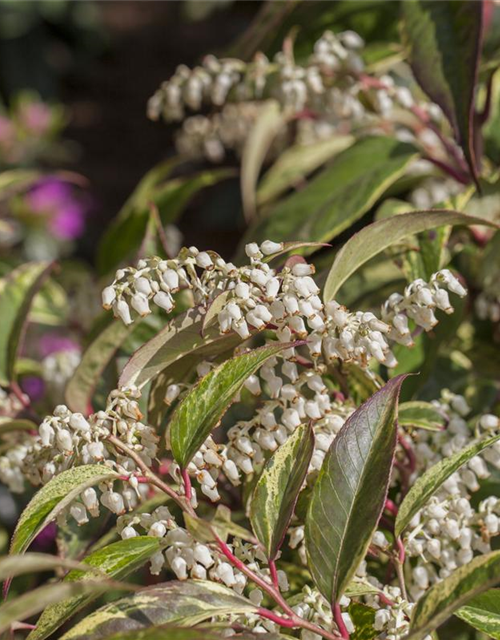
295	426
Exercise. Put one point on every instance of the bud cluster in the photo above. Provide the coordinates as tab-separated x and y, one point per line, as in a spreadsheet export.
330	89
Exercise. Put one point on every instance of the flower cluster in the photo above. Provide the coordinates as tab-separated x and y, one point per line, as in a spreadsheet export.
258	296
67	439
331	93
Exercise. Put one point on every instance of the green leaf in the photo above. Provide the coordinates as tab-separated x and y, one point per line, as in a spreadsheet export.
423	415
115	561
17	291
181	603
260	138
376	237
165	633
17	565
8	425
51	499
182	336
339	195
437	35
36	600
278	488
95	359
202	408
296	163
125	234
350	492
445	597
483	613
429	482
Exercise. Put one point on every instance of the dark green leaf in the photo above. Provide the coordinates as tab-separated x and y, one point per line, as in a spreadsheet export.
452	593
339	195
350	492
376	237
429	482
483	613
51	499
423	415
17	291
278	488
438	35
201	410
115	561
181	603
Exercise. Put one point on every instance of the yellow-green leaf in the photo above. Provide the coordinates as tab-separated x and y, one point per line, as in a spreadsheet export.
483	613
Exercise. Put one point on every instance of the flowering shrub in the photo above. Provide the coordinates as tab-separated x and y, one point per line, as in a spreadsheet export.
239	442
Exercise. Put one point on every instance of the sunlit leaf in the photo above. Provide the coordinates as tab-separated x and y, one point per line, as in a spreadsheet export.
350	492
452	593
277	490
483	613
202	408
430	481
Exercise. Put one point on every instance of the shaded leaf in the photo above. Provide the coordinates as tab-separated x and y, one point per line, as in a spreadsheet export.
445	597
379	235
203	407
259	140
350	492
278	488
17	291
430	481
296	163
17	565
339	195
115	561
181	603
483	613
423	415
438	34
182	336
16	424
52	498
36	600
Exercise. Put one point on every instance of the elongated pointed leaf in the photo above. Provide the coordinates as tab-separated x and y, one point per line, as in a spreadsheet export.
17	291
376	237
51	499
201	410
181	337
7	425
278	488
433	478
423	415
296	163
165	633
339	195
438	34
115	561
260	138
95	359
17	565
179	603
36	600
350	492
445	597
483	613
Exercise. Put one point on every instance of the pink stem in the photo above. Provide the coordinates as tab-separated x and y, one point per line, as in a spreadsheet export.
283	622
140	479
410	454
337	616
274	573
401	550
385	600
187	484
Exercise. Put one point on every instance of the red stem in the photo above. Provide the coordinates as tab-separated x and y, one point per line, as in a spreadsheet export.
187	484
410	454
391	507
401	550
283	622
274	573
339	621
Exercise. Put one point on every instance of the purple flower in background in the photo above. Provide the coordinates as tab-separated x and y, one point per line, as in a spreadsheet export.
55	199
54	343
46	538
34	387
